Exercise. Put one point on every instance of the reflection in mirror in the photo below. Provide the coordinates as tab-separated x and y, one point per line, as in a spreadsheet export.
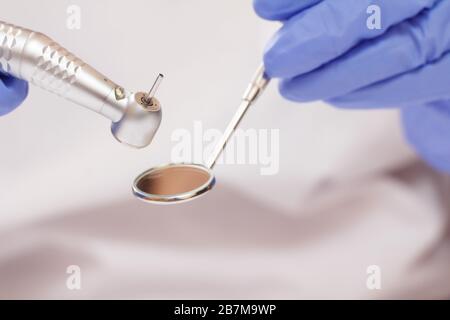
172	180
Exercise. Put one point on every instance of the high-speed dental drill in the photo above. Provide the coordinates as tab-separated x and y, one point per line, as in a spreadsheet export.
34	57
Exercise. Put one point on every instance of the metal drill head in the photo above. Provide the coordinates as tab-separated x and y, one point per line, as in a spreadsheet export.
139	123
141	119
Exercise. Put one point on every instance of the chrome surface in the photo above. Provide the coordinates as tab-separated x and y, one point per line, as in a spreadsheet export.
173	183
36	58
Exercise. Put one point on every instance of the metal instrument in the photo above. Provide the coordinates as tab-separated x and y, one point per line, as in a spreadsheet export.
175	183
34	57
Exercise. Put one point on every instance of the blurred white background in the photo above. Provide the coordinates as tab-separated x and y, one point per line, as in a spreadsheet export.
349	193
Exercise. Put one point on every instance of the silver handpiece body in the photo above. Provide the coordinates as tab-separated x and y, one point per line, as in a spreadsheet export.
36	58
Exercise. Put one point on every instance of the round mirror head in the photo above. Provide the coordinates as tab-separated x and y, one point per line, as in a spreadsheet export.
173	183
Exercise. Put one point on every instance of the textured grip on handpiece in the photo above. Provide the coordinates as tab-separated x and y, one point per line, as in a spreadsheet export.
34	57
10	37
56	70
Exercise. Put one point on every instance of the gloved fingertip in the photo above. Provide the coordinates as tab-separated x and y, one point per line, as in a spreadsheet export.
14	92
343	103
270	64
21	89
260	7
275	62
284	56
426	129
359	100
285	93
291	91
268	10
280	9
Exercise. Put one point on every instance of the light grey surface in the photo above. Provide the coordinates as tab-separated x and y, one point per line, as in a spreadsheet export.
193	43
309	231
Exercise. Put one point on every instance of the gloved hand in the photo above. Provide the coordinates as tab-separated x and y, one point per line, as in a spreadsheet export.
325	51
12	93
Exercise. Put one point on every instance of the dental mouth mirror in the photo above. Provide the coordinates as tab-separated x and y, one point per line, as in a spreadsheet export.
175	183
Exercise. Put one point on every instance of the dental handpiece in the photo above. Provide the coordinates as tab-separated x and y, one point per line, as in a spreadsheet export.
34	57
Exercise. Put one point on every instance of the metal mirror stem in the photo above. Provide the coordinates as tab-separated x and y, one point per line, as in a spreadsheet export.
256	87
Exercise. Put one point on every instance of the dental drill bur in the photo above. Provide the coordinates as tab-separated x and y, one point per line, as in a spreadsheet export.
34	57
148	99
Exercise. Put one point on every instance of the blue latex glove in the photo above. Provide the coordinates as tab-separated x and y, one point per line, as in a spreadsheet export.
325	51
12	93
